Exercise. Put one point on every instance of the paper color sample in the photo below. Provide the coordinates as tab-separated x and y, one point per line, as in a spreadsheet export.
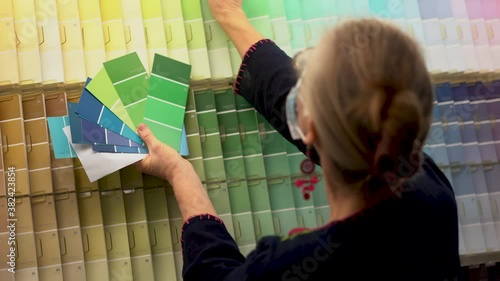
184	149
46	238
37	144
14	141
130	80
480	35
160	233
279	25
166	100
28	52
119	149
491	13
135	36
112	26
95	134
8	52
70	233
175	31
62	148
86	132
90	108
71	41
218	49
196	39
92	35
63	170
49	41
98	165
154	30
2	183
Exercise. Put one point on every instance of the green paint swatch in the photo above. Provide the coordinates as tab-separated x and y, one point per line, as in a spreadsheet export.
166	101
218	49
130	79
196	39
193	137
102	88
235	169
175	33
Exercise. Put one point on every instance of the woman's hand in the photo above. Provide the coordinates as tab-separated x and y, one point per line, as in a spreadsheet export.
162	161
231	17
166	163
224	8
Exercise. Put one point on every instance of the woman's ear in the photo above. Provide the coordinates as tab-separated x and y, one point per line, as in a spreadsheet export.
310	132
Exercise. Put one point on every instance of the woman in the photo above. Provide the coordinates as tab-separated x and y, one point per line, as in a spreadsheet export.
361	102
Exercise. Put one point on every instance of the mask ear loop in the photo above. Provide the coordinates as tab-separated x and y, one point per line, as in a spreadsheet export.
307	167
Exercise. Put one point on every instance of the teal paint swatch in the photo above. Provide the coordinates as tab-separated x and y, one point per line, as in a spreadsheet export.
60	143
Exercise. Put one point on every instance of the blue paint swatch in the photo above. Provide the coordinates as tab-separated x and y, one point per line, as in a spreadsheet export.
90	108
119	149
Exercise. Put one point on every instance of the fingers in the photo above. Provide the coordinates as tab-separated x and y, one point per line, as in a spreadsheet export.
146	135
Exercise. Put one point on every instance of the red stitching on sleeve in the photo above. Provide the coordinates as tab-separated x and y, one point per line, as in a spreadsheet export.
243	65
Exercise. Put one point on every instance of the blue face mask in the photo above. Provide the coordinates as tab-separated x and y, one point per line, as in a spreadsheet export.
291	113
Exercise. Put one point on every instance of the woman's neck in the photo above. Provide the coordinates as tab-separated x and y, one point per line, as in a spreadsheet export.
346	201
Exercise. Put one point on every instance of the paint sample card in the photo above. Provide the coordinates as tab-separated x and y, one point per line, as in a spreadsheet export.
480	35
93	236
314	22
234	165
112	26
135	37
175	31
90	108
28	52
92	35
160	233
62	148
119	149
218	49
47	238
295	24
193	137
166	101
14	140
98	165
63	173
130	80
49	41
37	144
154	30
71	41
277	15
68	222
491	13
8	52
461	17
139	239
85	131
2	183
196	39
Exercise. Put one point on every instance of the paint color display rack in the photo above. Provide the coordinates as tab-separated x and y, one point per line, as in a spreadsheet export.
57	43
127	225
239	157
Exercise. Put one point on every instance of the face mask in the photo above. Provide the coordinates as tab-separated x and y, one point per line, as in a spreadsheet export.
291	113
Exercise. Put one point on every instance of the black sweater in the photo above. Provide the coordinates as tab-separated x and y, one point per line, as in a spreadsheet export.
412	237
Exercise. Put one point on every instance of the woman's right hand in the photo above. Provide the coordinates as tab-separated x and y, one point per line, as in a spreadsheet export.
222	9
162	161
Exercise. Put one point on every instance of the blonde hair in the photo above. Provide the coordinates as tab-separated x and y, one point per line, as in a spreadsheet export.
367	83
